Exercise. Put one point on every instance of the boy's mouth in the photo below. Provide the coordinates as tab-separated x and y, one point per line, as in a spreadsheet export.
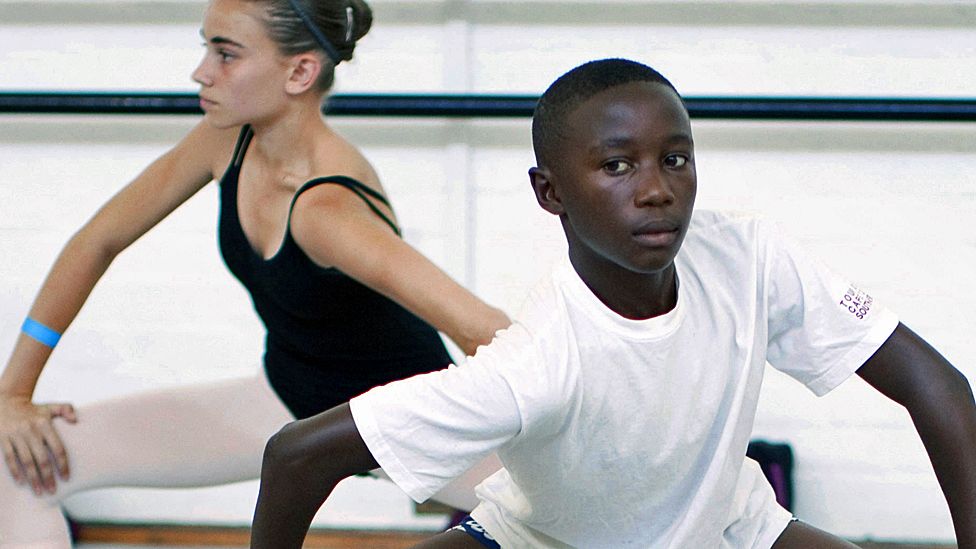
657	233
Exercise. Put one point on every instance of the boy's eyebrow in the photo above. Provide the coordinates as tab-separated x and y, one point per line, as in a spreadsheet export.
683	138
220	40
624	141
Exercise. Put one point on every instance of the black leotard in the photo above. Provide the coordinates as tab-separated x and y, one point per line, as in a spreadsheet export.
329	338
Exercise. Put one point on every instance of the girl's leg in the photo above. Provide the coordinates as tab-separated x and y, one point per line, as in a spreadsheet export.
178	437
800	535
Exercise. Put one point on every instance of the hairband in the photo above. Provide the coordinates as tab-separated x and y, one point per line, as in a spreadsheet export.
319	37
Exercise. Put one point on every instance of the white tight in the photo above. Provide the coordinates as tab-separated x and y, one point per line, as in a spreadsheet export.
201	435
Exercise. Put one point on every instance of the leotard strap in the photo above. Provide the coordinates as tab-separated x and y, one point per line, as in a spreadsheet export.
367	194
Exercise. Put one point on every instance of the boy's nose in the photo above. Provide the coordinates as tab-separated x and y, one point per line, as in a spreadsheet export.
653	190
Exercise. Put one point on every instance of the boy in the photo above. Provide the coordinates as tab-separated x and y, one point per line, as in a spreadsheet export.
622	400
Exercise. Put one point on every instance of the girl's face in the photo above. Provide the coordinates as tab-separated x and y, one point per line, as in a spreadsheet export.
242	74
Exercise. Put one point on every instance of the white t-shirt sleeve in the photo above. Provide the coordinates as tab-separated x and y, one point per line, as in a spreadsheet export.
821	327
427	430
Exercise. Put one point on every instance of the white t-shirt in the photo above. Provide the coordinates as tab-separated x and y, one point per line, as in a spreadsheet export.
631	433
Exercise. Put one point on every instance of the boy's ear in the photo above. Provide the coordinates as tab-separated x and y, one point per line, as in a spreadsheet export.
305	69
545	193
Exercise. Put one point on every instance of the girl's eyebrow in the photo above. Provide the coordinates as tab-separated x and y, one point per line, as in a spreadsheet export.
220	40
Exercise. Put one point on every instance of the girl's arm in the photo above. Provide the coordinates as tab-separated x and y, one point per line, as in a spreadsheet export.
353	239
27	437
940	401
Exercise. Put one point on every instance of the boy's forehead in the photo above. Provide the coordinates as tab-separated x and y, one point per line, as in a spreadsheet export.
611	102
620	107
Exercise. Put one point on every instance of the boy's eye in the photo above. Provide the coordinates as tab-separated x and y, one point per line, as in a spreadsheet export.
675	160
616	167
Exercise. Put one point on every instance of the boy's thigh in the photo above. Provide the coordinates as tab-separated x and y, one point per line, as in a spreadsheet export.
452	539
800	535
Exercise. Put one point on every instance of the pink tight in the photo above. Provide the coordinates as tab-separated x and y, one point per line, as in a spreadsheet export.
201	435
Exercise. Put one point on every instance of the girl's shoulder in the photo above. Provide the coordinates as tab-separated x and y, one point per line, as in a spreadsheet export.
335	156
207	146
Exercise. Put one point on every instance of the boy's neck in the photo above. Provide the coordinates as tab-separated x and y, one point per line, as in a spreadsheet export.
636	296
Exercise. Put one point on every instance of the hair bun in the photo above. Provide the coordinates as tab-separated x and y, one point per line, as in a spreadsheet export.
358	19
362	19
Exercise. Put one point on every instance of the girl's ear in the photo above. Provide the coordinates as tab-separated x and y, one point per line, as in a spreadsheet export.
305	69
545	193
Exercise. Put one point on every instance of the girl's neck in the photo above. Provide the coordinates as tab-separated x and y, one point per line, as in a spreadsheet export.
286	145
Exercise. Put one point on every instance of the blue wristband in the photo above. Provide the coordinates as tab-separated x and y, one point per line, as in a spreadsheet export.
40	332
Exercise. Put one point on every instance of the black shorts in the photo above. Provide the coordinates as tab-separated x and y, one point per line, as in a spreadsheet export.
471	527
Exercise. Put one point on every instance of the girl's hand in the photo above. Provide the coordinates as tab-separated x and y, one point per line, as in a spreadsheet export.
31	447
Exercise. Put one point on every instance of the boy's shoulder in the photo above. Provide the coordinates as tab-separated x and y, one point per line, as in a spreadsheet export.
720	241
717	229
703	219
544	308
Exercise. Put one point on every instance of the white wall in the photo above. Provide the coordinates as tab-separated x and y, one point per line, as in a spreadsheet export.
891	205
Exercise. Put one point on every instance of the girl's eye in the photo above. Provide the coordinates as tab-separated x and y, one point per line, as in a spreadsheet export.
675	161
616	167
223	54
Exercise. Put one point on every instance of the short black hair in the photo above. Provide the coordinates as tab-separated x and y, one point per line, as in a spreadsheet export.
575	87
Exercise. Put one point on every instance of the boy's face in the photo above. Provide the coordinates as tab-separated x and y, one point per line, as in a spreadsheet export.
623	181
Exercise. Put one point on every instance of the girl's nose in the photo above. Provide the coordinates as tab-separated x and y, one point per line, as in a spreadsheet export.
200	75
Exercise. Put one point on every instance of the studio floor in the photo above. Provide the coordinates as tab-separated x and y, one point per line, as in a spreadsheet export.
109	536
142	537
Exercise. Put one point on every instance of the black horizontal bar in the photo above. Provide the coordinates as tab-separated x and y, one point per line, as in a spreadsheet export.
509	106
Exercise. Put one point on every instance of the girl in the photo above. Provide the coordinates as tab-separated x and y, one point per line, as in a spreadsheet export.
304	225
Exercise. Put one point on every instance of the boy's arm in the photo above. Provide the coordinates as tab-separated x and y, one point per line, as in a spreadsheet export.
303	463
940	401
